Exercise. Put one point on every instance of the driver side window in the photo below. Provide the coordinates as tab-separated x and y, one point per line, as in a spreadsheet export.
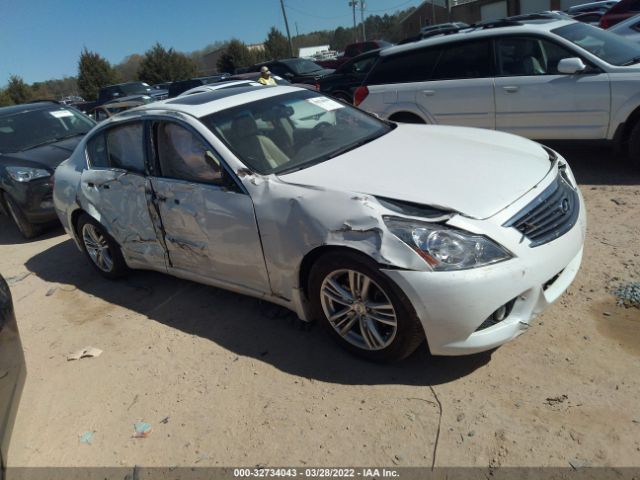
183	155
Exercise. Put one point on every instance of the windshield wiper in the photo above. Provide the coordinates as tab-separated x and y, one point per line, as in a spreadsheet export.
51	140
633	61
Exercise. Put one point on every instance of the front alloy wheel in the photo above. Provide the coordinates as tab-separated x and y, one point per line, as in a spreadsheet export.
359	310
362	308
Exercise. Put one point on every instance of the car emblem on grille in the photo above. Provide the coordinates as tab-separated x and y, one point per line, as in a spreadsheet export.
564	205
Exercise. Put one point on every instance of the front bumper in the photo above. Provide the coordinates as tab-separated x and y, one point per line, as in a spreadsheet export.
34	198
452	305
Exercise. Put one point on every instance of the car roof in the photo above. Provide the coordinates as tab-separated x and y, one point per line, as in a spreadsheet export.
481	31
28	107
201	104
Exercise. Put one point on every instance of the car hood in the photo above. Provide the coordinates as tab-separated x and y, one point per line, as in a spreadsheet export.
472	171
48	156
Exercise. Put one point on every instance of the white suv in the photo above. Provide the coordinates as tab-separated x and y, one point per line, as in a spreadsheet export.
547	79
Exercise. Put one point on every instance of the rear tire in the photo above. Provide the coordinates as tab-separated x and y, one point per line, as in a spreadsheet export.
100	248
343	97
634	145
370	315
27	229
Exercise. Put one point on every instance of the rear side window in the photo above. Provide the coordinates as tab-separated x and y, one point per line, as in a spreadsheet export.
413	66
119	147
465	60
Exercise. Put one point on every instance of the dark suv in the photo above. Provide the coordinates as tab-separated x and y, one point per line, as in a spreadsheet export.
129	89
34	139
342	83
12	370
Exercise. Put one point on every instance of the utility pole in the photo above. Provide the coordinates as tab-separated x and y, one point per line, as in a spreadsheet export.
286	24
297	31
364	34
353	4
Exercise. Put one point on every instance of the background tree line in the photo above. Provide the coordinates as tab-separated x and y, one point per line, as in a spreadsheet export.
159	64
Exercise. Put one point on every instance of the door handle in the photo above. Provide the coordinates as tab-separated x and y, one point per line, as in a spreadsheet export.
429	93
510	89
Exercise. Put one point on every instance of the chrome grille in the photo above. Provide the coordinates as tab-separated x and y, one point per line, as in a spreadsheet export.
550	215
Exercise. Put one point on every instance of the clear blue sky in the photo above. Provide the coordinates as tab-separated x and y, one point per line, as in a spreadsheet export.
42	39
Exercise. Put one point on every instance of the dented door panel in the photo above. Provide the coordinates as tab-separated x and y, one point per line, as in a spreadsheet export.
211	232
119	201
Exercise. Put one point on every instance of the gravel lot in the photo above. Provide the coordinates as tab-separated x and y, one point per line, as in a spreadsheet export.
239	383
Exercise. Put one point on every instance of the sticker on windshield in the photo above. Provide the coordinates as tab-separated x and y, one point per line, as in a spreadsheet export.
61	113
325	103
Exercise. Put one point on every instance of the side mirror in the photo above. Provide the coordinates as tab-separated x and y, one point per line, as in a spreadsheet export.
571	65
288	76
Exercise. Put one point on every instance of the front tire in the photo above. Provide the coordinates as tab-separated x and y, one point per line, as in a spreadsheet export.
363	309
101	249
27	229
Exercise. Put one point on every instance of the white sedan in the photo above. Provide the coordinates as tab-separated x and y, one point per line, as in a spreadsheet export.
387	234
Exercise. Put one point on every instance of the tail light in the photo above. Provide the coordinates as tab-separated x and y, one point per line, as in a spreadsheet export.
359	95
604	22
317	86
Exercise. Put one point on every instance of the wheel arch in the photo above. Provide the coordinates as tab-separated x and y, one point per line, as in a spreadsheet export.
312	257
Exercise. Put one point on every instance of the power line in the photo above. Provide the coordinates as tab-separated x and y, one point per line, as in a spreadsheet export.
315	16
392	8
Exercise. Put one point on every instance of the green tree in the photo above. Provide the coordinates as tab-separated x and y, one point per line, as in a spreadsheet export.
276	45
94	72
17	90
128	68
236	55
5	100
161	65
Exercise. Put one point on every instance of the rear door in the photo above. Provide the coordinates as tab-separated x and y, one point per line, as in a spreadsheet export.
447	84
116	191
208	219
536	101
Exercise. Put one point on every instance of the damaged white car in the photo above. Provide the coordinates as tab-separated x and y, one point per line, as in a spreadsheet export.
388	234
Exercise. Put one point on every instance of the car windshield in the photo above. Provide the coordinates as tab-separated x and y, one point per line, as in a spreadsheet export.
611	48
28	129
290	132
302	67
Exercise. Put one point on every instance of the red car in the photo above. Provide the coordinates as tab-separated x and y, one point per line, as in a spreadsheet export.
621	11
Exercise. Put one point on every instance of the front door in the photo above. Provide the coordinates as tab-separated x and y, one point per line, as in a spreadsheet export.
536	101
208	220
116	191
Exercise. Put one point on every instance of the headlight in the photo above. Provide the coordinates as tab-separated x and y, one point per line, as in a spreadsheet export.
26	174
445	248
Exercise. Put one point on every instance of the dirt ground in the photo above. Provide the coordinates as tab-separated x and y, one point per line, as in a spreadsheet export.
238	383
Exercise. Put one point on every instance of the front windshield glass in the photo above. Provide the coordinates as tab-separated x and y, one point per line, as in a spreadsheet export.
302	67
289	132
607	46
24	130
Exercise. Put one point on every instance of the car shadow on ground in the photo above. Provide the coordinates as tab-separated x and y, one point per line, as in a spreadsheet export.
243	325
597	164
9	234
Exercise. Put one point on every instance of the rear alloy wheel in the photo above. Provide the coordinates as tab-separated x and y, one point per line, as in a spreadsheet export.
101	249
27	229
363	309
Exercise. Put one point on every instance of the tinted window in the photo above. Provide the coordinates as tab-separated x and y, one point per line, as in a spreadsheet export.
119	147
465	60
364	65
413	66
184	156
529	56
97	150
